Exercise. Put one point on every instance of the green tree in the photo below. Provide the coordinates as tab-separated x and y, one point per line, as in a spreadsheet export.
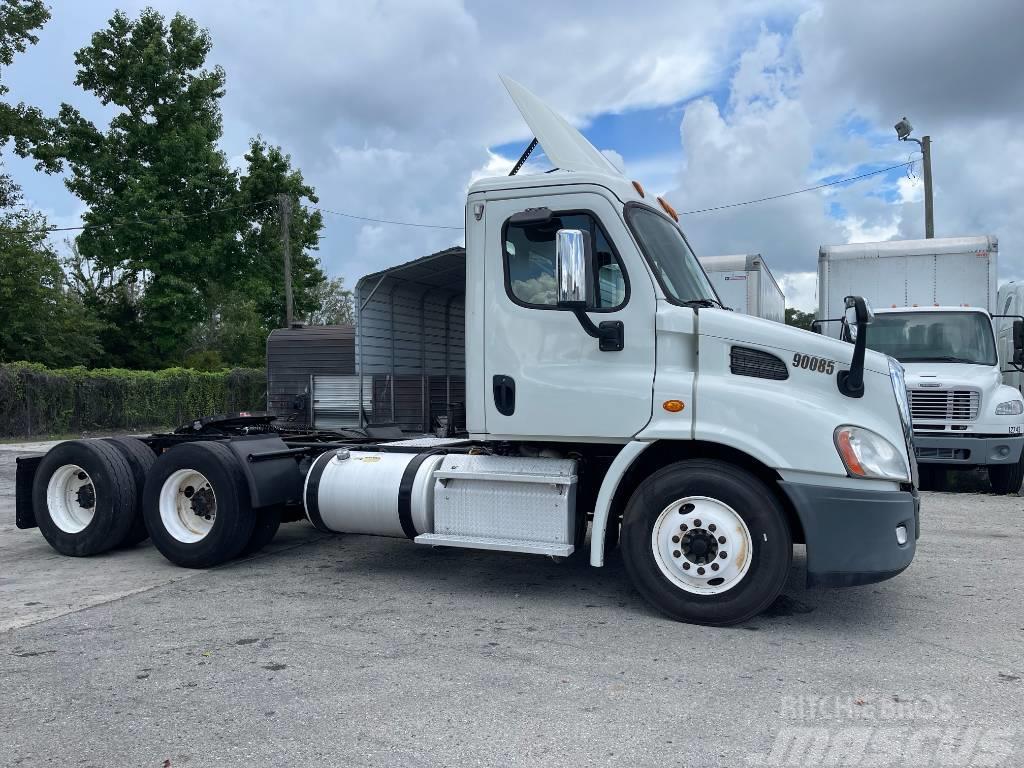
268	174
799	319
161	195
40	321
22	124
334	304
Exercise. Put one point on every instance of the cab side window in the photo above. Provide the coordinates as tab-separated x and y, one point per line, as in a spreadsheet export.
530	263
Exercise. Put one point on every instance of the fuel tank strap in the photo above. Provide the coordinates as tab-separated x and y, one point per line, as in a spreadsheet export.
405	492
313	491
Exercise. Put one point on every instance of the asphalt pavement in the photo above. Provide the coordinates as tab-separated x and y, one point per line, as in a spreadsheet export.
355	650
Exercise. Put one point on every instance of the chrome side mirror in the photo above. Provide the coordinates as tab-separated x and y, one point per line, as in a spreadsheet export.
572	268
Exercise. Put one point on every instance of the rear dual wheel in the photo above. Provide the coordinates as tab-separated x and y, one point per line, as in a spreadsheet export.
706	542
84	497
196	505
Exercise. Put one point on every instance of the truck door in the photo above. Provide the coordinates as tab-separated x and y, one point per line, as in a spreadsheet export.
545	377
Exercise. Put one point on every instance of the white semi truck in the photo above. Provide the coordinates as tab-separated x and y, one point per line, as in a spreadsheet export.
935	305
603	384
745	284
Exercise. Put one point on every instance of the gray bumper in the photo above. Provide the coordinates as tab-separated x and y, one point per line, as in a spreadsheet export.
851	533
968	450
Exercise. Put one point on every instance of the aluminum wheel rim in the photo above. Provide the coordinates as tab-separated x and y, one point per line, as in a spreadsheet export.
188	506
71	498
701	545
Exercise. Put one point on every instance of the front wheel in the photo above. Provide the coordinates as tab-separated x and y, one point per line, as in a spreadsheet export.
1007	478
706	542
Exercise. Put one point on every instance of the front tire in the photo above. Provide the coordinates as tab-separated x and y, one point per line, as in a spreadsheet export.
1007	478
706	542
197	506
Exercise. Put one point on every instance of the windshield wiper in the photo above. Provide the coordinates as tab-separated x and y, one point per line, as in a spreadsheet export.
703	303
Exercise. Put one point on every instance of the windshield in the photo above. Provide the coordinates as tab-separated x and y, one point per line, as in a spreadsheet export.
934	337
678	270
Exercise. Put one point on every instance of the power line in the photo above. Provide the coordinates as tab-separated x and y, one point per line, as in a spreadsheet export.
799	191
386	221
137	222
395	222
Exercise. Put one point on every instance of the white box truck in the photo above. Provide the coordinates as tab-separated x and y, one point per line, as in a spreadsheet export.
603	384
745	284
933	304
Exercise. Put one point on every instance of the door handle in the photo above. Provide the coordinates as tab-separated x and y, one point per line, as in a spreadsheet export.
504	394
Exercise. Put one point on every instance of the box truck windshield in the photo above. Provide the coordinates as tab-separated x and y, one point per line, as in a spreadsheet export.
678	271
934	337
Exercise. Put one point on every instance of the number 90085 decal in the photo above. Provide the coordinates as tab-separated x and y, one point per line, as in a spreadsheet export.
816	364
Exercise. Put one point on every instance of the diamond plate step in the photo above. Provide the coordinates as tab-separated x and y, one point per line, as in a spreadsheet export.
500	545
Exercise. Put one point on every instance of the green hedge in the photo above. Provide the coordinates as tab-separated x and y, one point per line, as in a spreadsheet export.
35	400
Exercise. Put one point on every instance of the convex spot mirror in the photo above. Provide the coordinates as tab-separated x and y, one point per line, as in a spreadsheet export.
573	259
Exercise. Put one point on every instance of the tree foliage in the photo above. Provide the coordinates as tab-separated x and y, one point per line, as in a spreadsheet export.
180	259
799	319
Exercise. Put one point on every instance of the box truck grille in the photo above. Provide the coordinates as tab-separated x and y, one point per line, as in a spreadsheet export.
754	362
944	404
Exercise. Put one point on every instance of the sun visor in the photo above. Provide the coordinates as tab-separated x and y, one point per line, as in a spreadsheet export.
565	147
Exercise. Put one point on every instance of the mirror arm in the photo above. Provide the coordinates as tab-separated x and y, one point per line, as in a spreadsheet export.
851	382
610	334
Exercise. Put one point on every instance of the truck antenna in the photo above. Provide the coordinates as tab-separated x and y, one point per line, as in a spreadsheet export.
522	158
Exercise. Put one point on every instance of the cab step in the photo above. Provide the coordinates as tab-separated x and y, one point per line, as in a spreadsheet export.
499	545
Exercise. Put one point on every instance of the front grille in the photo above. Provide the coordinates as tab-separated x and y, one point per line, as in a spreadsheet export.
753	362
944	404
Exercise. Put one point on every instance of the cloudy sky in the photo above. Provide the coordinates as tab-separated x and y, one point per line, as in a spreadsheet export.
391	108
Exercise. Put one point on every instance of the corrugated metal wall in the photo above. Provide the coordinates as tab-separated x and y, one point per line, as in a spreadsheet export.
295	354
411	341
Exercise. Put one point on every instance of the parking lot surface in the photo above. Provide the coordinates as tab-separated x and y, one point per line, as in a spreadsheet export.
353	650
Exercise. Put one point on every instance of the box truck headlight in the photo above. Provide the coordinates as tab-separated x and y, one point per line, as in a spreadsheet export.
1010	408
867	454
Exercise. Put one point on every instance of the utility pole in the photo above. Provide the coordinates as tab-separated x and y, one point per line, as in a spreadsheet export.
285	204
903	129
926	161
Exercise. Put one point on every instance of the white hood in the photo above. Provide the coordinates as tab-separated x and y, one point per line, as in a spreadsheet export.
925	375
564	145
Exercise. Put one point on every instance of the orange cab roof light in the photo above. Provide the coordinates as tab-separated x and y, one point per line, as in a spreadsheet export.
639	188
668	209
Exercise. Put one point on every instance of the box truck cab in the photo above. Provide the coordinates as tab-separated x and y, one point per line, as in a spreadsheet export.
933	301
604	385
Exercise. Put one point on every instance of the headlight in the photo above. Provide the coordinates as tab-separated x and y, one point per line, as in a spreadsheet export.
1010	408
867	454
899	386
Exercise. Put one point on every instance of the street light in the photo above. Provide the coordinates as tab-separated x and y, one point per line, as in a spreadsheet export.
903	130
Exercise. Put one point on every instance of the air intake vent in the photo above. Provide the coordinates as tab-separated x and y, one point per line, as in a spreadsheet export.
754	362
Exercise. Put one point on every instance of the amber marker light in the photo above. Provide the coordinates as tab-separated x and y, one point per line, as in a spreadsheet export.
639	188
668	209
673	406
848	454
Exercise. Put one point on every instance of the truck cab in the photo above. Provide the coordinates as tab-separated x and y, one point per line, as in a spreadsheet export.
963	414
605	388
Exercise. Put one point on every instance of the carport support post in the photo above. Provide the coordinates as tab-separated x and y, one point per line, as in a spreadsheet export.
285	204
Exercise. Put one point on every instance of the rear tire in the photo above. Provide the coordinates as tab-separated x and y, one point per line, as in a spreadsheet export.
196	505
268	520
140	458
84	498
691	516
1007	478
